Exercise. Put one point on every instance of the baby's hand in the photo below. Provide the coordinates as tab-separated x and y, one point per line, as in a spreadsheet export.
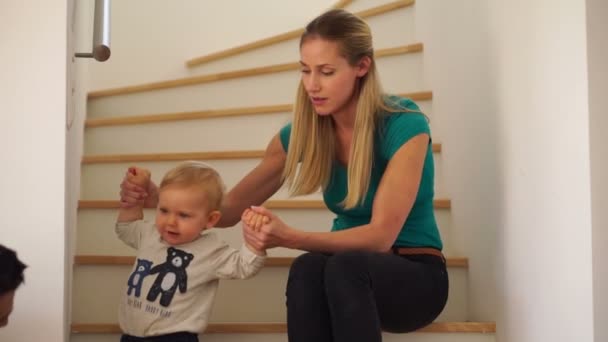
254	220
139	176
137	189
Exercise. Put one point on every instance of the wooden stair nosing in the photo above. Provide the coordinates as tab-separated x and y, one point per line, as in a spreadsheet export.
278	327
370	12
227	75
388	7
156	157
440	203
117	260
208	114
180	156
341	4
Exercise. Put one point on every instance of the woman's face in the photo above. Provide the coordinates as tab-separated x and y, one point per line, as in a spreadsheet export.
328	78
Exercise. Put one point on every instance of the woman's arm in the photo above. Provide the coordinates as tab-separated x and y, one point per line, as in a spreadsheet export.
257	186
392	204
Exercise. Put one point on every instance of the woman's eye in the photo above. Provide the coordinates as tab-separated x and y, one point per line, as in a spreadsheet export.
304	71
328	73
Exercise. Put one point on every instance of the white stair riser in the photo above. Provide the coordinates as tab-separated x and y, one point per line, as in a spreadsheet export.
269	89
102	181
96	230
215	134
412	337
258	299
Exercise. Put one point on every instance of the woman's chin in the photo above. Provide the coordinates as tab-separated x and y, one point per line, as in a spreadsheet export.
322	112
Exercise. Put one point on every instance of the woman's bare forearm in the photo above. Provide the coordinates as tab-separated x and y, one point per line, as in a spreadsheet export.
362	238
256	187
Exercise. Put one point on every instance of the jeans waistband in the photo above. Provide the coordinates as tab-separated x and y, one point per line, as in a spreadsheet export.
418	251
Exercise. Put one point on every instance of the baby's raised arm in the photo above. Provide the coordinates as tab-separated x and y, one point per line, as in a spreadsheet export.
140	177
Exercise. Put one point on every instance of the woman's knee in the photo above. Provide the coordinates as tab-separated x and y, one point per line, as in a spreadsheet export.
347	268
308	264
306	273
347	262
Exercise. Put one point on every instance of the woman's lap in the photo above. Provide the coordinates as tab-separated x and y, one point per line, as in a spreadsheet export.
365	292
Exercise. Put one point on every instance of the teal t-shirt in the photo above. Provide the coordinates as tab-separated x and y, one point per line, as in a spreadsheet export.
420	228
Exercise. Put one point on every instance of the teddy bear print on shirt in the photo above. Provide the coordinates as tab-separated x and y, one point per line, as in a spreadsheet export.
136	278
171	276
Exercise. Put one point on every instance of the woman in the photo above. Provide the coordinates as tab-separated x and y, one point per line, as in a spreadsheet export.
380	268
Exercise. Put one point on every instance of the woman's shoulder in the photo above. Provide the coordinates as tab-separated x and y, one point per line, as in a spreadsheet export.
284	134
404	121
401	104
403	113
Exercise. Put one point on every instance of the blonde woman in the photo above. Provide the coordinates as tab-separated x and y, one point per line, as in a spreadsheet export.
380	268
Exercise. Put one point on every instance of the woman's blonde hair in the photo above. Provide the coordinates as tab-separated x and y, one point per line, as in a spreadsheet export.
312	139
199	174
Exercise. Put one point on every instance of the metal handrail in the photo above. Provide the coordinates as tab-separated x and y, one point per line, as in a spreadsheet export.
101	33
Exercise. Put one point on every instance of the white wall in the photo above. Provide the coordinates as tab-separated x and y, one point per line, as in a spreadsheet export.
597	49
32	135
457	71
538	57
80	32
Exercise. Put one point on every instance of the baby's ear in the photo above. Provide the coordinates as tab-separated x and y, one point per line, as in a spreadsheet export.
213	218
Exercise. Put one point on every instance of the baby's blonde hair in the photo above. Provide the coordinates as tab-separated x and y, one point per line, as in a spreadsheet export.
195	173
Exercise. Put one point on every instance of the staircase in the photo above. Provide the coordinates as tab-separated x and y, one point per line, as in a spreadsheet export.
226	115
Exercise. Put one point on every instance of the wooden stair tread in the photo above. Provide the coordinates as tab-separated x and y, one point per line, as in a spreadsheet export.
273	204
215	113
117	260
261	328
176	156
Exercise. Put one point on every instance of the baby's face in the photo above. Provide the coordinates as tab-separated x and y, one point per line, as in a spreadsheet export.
181	214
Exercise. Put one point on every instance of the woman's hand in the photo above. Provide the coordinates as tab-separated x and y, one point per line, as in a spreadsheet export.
132	194
263	230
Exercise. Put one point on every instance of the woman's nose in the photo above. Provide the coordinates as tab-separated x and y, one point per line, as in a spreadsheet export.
313	84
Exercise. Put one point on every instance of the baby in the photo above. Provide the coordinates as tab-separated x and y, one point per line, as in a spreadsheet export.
172	286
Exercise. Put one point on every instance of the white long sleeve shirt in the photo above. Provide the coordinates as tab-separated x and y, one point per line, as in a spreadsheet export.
172	288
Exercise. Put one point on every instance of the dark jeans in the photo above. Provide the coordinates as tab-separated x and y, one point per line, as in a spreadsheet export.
354	296
175	337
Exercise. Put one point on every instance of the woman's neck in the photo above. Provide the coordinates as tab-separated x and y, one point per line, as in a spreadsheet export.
344	119
344	124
